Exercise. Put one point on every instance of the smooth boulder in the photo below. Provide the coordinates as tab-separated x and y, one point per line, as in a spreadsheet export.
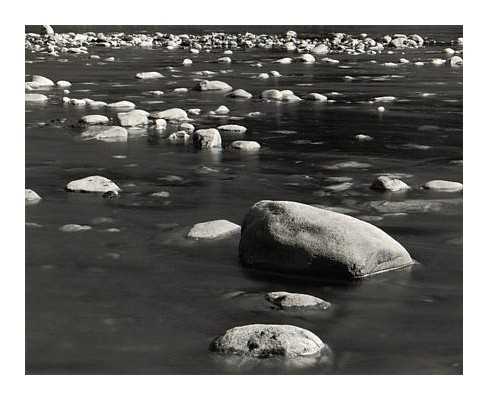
266	341
35	98
386	183
133	118
92	184
170	114
149	75
31	197
207	138
212	85
296	300
245	145
293	237
443	186
105	133
232	128
94	119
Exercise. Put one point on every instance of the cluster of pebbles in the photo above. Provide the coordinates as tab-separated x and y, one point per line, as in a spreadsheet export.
279	235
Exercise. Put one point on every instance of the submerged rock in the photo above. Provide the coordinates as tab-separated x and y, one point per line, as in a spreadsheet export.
106	133
265	341
212	85
31	197
387	183
296	300
92	184
207	138
94	119
149	75
240	94
294	237
245	145
180	137
35	98
213	229
74	228
443	186
316	97
443	206
232	128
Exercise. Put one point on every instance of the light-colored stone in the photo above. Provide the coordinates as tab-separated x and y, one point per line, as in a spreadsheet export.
316	97
94	119
124	104
245	145
213	230
171	114
149	75
133	118
266	341
232	128
294	237
74	228
207	138
213	85
443	186
106	133
93	184
35	98
31	197
389	184
179	137
63	84
296	300
240	94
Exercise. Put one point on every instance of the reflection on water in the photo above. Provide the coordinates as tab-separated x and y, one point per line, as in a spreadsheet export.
145	300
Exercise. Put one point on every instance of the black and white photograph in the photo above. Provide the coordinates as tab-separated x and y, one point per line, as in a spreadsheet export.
241	199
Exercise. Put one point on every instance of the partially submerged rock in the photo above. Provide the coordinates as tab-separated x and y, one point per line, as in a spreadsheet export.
316	97
294	237
149	75
418	206
133	118
265	341
92	184
240	94
443	186
213	230
296	300
387	183
35	98
212	85
232	128
245	145
74	228
94	119
106	133
31	197
170	114
207	138
124	105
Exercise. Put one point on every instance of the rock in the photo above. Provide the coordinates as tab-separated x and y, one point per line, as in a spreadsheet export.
74	228
133	118
35	98
294	237
291	34
63	84
307	58
149	75
40	81
455	61
226	60
122	105
179	137
213	230
275	74
180	90
160	123
162	194
289	96
106	133
92	184
263	76
240	93
320	49
207	138
296	300
390	184
194	111
316	97
171	114
286	60
266	341
94	119
31	197
363	138
189	128
222	110
155	92
381	109
187	61
212	85
348	164
438	61
443	186
272	94
231	128
384	99
245	145
47	30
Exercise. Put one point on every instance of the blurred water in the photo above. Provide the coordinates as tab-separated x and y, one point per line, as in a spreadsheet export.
144	300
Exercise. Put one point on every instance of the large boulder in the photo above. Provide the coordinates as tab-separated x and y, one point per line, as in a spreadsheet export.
294	237
265	341
212	85
213	230
92	184
133	118
39	81
207	138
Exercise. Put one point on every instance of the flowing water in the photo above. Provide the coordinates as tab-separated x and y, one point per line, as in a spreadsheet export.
146	300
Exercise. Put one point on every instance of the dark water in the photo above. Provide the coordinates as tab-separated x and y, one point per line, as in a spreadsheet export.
145	300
